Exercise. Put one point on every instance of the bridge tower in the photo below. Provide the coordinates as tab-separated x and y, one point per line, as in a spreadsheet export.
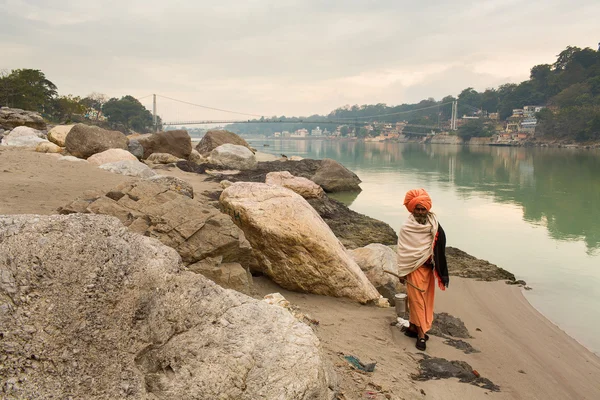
154	113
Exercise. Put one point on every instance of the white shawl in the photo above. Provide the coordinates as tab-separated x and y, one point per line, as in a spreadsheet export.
415	243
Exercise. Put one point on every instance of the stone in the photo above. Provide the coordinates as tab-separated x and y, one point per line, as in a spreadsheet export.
334	177
58	134
163	158
135	148
48	147
129	168
225	183
84	141
446	324
441	368
215	138
72	159
162	207
292	244
174	184
111	156
23	131
227	275
373	260
91	310
304	187
197	158
466	266
22	141
176	142
11	118
233	156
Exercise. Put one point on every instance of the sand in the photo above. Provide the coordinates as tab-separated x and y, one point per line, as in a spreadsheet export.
513	336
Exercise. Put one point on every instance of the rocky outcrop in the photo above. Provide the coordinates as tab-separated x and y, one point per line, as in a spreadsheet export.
374	259
353	229
162	208
84	141
173	183
329	174
292	244
233	157
304	187
90	310
163	158
466	266
10	118
129	168
177	143
215	138
58	134
228	275
48	147
111	156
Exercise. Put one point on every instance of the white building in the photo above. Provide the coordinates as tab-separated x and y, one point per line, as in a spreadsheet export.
316	132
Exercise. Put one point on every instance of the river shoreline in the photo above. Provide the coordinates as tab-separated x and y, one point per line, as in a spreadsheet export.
35	183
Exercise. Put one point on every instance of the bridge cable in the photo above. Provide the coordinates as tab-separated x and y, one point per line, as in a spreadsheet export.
208	108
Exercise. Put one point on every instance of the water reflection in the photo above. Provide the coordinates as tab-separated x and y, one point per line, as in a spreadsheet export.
556	188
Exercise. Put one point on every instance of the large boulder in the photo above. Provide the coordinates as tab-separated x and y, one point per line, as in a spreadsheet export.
58	134
111	156
304	187
374	259
292	244
24	131
84	141
163	209
334	177
12	117
228	275
135	148
163	158
129	168
90	310
215	138
177	143
233	157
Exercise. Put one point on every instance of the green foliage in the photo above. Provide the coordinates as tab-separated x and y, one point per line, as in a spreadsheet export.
28	89
129	112
64	107
475	128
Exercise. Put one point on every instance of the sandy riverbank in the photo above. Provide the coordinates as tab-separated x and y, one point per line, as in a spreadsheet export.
513	336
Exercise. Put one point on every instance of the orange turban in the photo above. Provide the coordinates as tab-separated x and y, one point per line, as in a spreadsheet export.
415	197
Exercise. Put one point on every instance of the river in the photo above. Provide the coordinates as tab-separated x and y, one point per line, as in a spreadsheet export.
532	211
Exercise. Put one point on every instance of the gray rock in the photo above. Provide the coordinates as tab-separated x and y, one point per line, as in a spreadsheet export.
135	148
93	311
84	141
12	117
174	184
129	168
334	177
446	324
233	157
177	143
215	138
440	368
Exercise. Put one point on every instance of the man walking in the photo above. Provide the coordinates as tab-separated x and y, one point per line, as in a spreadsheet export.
421	258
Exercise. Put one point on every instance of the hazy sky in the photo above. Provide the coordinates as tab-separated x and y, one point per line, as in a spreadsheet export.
288	57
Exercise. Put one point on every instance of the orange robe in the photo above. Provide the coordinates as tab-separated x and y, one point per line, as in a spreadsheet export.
420	304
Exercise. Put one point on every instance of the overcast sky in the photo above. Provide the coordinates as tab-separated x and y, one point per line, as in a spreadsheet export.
288	57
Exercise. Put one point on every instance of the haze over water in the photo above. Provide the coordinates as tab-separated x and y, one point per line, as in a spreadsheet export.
532	211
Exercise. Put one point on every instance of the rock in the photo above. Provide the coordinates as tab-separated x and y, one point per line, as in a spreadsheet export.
162	208
353	229
215	138
466	266
111	156
90	310
225	184
334	177
22	141
373	260
177	143
162	158
129	168
135	148
72	159
58	134
48	147
292	244
228	275
446	324
11	118
440	368
84	141
296	158
197	158
174	184
24	131
233	156
304	187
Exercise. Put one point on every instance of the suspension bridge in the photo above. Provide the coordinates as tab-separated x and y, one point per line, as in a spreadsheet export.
184	113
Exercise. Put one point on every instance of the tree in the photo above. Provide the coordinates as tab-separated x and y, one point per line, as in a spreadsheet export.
28	89
95	101
475	128
64	107
129	112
